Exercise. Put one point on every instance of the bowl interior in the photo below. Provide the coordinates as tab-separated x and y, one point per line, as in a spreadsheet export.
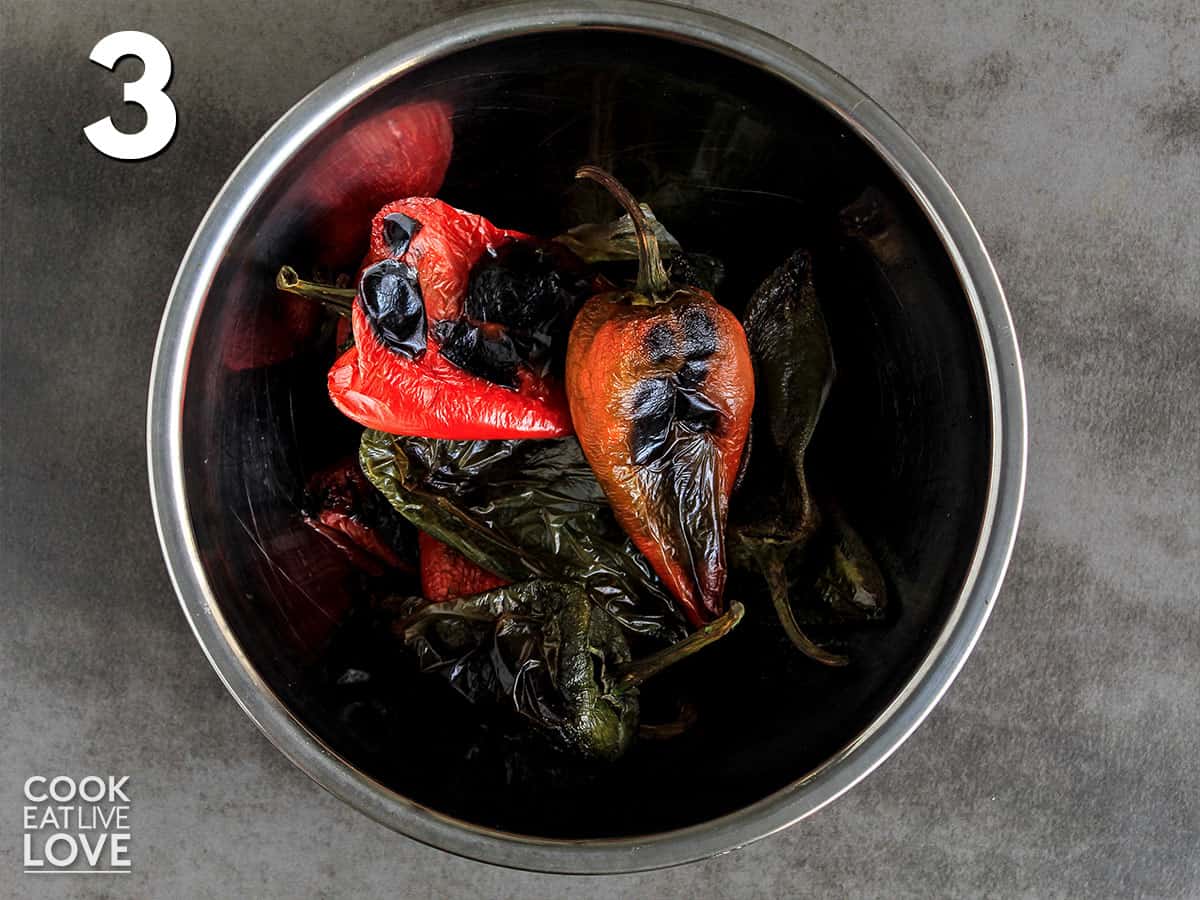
737	164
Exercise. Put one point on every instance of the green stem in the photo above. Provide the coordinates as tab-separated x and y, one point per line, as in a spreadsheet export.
335	299
634	673
416	623
652	279
777	584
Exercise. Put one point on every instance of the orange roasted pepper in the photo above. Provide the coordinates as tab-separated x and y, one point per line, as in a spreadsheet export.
660	387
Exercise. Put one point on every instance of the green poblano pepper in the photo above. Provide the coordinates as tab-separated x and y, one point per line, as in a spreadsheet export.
545	651
794	370
523	509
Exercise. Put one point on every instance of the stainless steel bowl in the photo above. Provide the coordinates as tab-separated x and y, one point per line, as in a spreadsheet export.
749	146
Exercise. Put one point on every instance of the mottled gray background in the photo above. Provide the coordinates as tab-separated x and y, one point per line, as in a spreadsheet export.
1063	761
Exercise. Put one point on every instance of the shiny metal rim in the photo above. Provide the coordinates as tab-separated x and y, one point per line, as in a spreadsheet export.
920	693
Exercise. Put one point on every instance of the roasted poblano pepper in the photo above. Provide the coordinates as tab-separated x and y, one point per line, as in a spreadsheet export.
545	651
794	367
522	509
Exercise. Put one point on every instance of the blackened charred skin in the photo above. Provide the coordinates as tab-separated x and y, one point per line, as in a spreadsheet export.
698	333
652	411
395	309
398	231
695	412
344	489
692	373
528	288
659	407
660	344
486	353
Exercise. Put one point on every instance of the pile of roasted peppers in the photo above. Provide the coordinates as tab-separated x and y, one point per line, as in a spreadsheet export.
569	434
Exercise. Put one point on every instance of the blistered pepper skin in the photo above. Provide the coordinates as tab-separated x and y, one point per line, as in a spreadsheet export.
661	389
661	396
427	395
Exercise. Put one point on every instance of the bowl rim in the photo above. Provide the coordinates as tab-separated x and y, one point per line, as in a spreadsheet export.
890	727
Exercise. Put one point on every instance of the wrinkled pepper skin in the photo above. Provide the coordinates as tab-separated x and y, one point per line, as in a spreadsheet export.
540	649
403	152
548	653
447	575
424	393
661	389
343	507
676	377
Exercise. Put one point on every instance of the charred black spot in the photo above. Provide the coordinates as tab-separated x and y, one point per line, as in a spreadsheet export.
697	270
487	353
652	413
698	333
398	231
391	298
531	289
695	411
662	406
660	343
692	373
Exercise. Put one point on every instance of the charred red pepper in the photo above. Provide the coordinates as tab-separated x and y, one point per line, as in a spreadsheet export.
661	387
403	152
343	507
454	324
447	575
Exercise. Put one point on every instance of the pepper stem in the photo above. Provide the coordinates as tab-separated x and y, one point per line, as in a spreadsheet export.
335	299
631	674
777	584
652	278
429	614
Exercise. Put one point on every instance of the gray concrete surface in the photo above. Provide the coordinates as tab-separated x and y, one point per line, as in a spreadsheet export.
1061	764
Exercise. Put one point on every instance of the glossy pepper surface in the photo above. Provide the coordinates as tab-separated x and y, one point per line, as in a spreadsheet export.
402	152
542	649
661	388
396	378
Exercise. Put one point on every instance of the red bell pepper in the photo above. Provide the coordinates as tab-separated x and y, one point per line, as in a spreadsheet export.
345	509
400	153
447	575
395	377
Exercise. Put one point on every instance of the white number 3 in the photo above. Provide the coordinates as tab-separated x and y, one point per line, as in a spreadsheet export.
146	92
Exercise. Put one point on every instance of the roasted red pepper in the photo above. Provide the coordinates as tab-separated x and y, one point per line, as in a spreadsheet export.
345	509
661	387
410	302
403	152
447	575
